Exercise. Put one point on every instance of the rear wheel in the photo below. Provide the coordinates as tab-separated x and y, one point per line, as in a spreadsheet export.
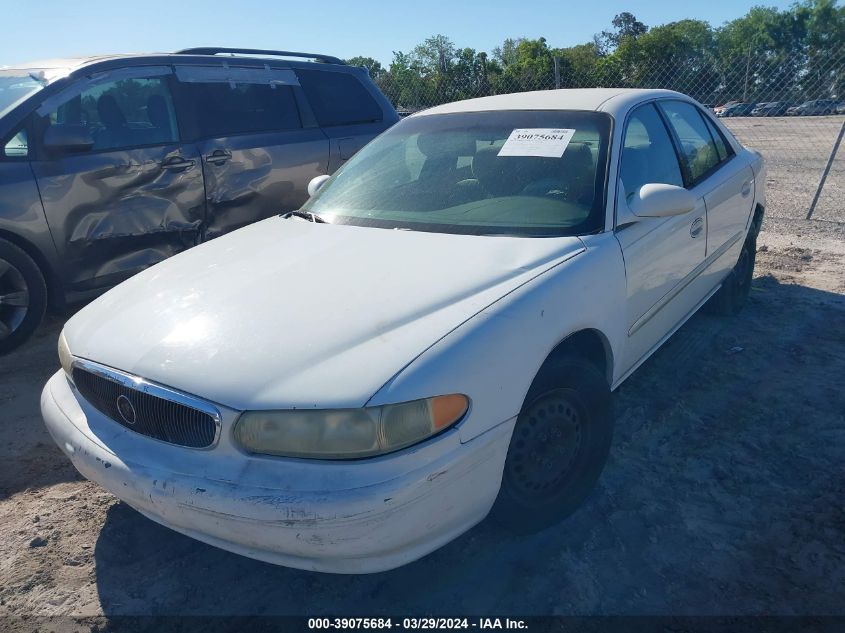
559	446
23	296
733	294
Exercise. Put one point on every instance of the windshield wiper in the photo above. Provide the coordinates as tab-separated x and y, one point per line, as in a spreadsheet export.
307	215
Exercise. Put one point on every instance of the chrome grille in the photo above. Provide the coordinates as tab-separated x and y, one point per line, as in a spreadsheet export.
155	411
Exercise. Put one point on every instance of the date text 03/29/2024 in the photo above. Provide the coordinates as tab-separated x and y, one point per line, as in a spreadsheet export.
417	623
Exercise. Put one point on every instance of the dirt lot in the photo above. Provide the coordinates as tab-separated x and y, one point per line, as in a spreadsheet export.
723	494
796	151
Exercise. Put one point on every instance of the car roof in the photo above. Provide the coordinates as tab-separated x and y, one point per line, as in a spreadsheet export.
62	66
615	101
70	63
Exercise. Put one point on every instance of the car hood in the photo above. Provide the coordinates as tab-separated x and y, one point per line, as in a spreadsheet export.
289	313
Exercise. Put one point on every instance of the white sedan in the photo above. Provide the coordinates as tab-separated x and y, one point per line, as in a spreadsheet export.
434	336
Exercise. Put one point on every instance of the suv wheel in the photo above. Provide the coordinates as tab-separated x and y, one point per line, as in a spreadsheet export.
23	296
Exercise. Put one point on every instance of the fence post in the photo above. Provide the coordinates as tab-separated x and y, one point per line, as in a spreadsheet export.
826	170
557	72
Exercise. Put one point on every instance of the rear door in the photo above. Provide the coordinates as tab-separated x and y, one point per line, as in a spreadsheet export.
257	156
723	179
346	110
136	196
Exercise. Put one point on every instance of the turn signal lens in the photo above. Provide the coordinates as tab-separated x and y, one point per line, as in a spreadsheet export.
347	433
65	357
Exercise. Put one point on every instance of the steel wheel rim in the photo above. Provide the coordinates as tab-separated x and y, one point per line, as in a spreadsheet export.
14	299
547	445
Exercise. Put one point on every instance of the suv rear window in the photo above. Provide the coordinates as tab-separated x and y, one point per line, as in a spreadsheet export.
338	98
222	109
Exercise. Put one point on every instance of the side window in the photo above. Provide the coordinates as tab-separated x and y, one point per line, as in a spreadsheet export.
338	98
227	109
697	146
725	150
648	155
122	114
17	146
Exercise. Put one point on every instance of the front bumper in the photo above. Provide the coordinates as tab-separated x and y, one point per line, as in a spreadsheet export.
342	517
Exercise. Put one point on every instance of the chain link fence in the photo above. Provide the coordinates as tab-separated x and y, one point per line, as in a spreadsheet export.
791	107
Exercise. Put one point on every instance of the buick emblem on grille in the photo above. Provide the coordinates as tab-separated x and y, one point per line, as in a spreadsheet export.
126	410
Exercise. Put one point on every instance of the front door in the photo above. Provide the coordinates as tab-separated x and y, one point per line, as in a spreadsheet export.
132	199
662	255
257	157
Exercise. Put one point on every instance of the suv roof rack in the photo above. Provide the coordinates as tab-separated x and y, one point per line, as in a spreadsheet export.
216	50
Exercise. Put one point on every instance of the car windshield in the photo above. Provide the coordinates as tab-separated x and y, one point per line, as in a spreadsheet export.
526	173
16	85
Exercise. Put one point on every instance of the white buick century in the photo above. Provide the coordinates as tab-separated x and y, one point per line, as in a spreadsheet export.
434	337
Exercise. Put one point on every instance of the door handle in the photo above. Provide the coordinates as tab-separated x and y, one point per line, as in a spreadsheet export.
218	157
746	189
696	228
177	162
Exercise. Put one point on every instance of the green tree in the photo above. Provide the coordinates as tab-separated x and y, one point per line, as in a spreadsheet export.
766	54
531	67
678	56
403	85
581	66
824	25
472	74
506	53
760	55
625	26
373	67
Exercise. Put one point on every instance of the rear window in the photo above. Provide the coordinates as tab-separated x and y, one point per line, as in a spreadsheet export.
338	98
223	109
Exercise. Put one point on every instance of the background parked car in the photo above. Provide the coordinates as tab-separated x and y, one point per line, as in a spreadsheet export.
737	109
718	109
772	108
813	108
840	109
139	157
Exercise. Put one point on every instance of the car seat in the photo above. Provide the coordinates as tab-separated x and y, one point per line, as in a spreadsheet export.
114	130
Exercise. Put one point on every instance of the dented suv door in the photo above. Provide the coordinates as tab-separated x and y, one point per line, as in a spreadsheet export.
134	197
258	155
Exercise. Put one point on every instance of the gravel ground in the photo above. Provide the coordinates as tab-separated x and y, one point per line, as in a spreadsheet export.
796	151
723	492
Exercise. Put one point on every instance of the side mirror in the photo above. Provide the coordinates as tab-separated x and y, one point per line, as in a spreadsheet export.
661	201
68	138
316	183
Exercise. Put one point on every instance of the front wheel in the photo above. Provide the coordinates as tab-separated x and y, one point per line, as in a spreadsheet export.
23	296
733	294
559	446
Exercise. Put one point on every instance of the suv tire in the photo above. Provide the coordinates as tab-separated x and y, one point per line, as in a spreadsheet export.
23	296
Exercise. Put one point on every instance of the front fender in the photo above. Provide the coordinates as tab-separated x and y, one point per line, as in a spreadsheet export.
21	212
494	357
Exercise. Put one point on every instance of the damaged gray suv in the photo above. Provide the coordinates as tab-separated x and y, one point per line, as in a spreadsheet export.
111	164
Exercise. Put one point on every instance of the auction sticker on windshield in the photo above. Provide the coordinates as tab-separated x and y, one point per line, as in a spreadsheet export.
537	141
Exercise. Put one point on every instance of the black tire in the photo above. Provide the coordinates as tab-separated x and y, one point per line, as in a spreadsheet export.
559	446
23	296
733	294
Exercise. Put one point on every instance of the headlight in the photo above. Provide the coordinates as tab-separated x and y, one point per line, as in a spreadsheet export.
65	357
347	433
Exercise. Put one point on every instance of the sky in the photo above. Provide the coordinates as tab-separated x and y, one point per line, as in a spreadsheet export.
57	28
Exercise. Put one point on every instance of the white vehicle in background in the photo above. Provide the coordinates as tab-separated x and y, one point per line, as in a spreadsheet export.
435	335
